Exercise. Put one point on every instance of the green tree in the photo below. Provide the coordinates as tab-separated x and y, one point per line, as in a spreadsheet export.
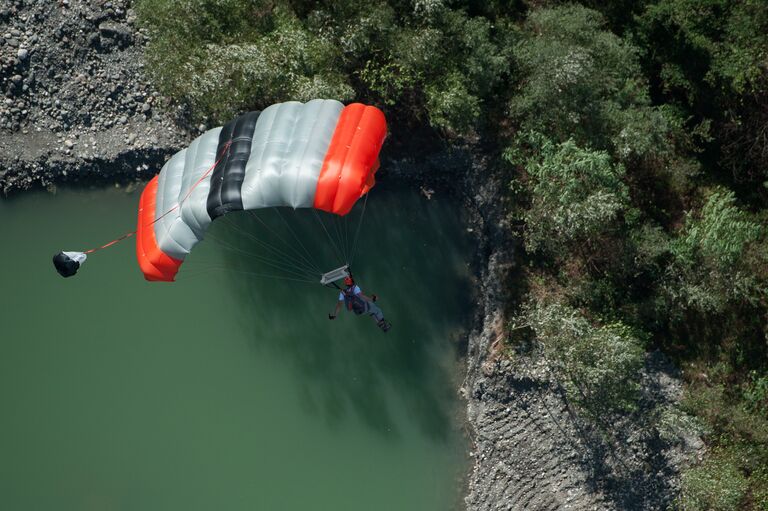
710	57
704	45
583	82
425	62
444	63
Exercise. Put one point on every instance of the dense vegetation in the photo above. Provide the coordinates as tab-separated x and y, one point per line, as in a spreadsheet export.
634	136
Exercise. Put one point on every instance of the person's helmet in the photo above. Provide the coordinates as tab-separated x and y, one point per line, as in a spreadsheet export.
348	281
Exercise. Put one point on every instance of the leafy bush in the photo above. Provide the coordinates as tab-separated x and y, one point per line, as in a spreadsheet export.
220	65
576	195
709	269
756	393
719	235
715	485
599	365
451	106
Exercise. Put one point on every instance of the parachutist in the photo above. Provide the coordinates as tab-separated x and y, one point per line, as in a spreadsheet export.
355	301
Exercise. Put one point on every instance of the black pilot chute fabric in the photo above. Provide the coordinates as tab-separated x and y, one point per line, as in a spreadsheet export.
65	265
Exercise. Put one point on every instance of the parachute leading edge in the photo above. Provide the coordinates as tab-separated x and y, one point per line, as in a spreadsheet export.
319	154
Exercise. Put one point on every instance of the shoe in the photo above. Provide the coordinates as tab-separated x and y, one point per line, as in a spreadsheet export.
384	325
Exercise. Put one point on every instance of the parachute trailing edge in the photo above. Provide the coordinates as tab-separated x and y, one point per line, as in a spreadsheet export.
319	154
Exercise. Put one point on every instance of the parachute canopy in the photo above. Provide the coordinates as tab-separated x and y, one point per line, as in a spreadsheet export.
319	154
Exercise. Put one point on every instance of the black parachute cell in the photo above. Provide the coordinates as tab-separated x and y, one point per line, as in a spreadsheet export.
227	179
65	265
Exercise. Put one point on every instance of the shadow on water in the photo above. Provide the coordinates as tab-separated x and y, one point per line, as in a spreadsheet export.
413	253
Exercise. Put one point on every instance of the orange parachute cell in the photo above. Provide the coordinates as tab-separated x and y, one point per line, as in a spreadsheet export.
154	263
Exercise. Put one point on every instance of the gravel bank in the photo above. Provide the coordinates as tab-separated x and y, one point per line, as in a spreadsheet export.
75	104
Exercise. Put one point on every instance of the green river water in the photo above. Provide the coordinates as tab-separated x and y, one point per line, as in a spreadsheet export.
227	390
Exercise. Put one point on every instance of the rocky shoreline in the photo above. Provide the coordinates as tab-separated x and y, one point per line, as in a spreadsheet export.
531	450
529	447
75	102
77	109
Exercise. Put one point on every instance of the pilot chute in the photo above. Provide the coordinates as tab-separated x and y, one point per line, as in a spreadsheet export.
319	154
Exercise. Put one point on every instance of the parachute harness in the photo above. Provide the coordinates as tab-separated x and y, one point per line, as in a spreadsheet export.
174	208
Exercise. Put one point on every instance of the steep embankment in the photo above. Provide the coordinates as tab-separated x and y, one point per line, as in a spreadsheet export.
77	108
531	449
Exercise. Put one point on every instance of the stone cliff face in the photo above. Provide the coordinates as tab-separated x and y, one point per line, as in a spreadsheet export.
77	108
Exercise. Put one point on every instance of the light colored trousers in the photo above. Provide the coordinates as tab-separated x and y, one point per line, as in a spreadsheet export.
375	311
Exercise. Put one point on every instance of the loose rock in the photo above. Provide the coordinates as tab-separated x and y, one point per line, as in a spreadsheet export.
61	85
